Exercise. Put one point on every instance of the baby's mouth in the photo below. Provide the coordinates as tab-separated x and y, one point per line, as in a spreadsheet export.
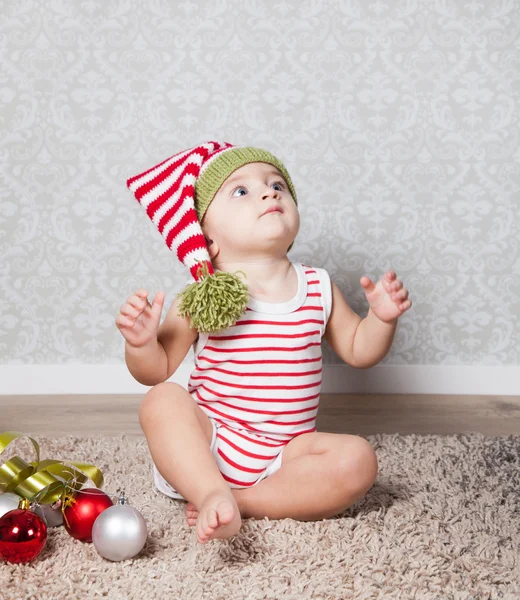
275	209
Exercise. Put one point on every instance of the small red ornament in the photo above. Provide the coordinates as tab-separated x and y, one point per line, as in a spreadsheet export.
23	534
82	509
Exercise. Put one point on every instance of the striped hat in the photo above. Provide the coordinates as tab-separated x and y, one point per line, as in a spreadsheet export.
176	194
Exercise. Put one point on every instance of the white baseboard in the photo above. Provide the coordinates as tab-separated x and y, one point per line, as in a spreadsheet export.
337	379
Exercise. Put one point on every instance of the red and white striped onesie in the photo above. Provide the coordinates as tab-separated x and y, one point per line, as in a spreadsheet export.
259	380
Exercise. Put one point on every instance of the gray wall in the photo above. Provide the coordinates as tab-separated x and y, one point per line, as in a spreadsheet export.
397	121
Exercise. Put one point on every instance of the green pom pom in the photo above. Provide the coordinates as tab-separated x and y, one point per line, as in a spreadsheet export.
215	302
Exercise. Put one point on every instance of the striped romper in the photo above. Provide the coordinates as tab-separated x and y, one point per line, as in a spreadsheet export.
259	380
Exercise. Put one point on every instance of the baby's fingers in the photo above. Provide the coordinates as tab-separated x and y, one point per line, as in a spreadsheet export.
123	321
158	302
139	300
130	310
401	295
156	308
405	305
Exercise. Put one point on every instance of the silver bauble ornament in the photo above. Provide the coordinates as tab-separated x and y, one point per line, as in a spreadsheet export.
50	513
119	532
8	501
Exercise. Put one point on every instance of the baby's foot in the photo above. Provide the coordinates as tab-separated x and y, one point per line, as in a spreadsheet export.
192	513
219	517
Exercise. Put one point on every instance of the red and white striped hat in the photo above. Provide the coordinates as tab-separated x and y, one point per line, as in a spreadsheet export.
175	194
167	193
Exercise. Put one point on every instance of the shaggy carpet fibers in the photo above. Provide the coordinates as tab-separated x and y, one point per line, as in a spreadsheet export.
441	522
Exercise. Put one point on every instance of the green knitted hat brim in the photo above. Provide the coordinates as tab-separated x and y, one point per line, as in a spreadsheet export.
211	180
217	171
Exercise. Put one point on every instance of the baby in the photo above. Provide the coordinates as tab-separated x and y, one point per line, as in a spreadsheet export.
241	440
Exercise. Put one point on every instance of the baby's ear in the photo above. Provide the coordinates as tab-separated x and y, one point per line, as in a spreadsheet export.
213	248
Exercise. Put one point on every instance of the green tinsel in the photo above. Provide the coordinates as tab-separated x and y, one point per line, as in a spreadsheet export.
215	302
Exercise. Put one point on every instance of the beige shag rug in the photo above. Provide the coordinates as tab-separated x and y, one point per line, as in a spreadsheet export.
441	522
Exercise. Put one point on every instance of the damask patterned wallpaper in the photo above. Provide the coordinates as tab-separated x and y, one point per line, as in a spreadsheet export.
398	122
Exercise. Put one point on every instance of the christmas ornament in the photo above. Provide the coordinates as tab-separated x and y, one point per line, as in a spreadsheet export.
50	513
23	534
8	501
120	532
80	510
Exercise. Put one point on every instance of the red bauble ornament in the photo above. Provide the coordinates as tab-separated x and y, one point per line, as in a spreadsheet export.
23	534
82	509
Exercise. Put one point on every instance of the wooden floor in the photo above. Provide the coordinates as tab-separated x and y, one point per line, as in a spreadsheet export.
359	414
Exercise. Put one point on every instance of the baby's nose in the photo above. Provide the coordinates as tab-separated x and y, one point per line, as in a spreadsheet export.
271	192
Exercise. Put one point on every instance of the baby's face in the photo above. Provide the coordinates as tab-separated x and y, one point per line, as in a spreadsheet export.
236	219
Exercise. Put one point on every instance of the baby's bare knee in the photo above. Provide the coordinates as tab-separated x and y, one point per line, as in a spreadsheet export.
359	465
366	464
157	399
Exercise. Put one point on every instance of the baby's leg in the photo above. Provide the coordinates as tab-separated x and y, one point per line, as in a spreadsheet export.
180	449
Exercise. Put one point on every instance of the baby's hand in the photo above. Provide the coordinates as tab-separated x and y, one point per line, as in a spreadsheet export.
138	321
388	298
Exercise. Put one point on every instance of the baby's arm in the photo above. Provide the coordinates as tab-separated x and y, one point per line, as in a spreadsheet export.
361	343
342	326
158	359
176	337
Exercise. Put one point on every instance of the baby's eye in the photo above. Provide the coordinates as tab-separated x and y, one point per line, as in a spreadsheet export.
241	187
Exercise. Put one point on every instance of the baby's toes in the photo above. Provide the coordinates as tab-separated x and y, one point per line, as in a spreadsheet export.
208	523
211	520
191	509
191	514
